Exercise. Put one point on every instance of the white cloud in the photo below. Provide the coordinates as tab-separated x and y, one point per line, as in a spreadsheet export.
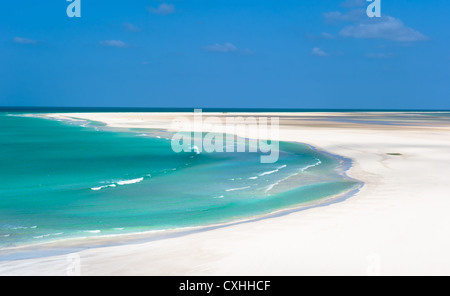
21	40
319	52
227	47
361	26
327	35
113	43
354	15
131	28
163	9
386	27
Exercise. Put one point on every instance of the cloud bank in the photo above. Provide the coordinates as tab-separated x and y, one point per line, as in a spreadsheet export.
223	48
113	43
20	40
388	28
162	9
359	25
318	52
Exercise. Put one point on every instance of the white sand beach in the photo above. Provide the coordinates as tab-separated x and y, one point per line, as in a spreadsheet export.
397	224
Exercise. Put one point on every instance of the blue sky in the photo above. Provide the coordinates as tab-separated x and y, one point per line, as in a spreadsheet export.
226	54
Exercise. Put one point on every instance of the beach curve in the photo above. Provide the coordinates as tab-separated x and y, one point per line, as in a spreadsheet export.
303	238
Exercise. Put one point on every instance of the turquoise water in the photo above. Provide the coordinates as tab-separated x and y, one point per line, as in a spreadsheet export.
64	179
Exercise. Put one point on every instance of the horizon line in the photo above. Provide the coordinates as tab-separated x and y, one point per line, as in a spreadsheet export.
217	109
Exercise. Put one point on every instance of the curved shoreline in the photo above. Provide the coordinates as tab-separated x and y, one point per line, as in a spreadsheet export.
397	217
72	244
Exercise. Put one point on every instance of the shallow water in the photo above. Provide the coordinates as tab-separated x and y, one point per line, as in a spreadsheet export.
64	179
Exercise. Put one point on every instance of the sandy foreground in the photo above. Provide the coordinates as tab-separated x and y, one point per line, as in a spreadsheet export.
397	224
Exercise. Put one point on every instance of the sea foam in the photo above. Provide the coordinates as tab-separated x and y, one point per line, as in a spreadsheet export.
235	189
132	181
274	171
270	187
120	183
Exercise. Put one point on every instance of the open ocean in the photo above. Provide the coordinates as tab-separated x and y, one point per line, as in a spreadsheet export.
70	179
